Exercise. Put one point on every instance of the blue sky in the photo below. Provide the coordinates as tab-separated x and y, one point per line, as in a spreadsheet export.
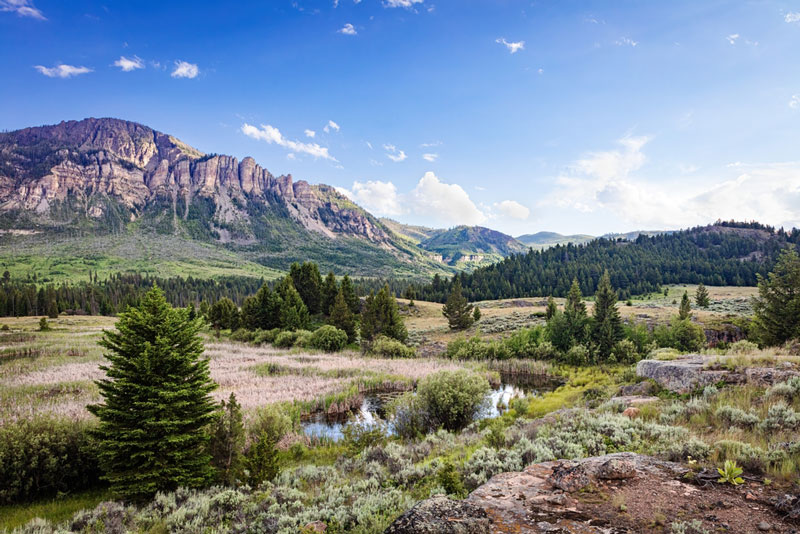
522	116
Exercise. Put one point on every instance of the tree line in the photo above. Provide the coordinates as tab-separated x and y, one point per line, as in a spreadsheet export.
699	255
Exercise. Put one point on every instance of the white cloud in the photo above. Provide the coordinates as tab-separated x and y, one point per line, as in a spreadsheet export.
540	71
348	29
610	181
435	201
430	157
448	203
429	145
513	47
62	71
128	64
512	209
377	197
272	135
794	102
184	69
627	41
401	3
331	126
792	17
394	154
23	8
732	38
310	133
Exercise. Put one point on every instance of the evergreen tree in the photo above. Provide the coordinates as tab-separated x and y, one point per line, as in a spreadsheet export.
350	296
701	296
262	460
328	294
342	318
156	404
52	309
575	314
607	324
457	309
777	307
224	314
308	283
476	314
293	311
685	310
552	308
382	317
227	443
262	310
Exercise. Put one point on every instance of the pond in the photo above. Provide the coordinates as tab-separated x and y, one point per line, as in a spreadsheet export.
373	408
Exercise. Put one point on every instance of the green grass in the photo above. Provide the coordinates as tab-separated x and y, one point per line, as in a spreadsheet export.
56	510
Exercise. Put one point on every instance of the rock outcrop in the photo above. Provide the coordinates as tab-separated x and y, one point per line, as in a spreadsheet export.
694	371
623	493
86	163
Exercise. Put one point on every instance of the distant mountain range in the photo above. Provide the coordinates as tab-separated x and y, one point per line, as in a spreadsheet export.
112	195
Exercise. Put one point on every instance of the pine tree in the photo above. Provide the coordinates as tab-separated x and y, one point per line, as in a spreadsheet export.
52	309
227	443
607	324
382	317
342	318
575	314
262	460
457	309
350	296
476	314
293	311
328	294
308	283
701	296
777	307
552	308
156	404
685	310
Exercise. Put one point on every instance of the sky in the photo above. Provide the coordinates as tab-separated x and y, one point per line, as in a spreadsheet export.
567	116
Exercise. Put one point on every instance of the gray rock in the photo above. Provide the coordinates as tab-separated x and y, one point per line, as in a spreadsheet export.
440	515
764	526
683	375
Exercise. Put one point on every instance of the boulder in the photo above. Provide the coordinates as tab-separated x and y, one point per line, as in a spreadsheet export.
441	515
682	375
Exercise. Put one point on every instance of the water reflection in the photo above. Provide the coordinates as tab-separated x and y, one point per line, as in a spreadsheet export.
373	408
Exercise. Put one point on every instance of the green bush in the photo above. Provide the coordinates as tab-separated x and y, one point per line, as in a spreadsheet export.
359	436
391	348
286	338
303	340
625	352
44	456
577	355
328	338
452	399
269	420
410	418
244	335
261	337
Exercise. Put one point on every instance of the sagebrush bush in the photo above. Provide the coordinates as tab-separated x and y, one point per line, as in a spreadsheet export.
780	416
391	348
736	417
789	390
742	346
43	456
328	338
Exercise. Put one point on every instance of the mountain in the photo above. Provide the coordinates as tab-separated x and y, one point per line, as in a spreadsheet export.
725	253
541	240
114	192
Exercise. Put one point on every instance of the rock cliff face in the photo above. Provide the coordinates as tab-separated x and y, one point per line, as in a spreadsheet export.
83	164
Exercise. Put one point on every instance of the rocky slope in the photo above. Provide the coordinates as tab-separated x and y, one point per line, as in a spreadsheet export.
110	175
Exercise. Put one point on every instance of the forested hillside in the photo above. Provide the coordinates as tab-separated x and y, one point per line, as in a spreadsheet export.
725	253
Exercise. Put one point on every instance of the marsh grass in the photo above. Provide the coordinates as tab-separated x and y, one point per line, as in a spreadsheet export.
55	510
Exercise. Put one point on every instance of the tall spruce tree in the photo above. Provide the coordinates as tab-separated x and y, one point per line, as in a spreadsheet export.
156	406
227	443
328	293
382	317
551	309
457	309
701	297
293	311
685	309
607	324
308	283
777	307
342	318
350	297
575	314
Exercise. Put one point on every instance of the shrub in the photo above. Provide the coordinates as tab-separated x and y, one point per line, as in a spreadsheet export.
788	390
359	436
44	456
242	334
410	417
303	340
736	417
453	399
687	336
391	348
265	336
262	460
577	355
270	420
625	352
780	417
450	479
743	347
43	325
328	338
286	339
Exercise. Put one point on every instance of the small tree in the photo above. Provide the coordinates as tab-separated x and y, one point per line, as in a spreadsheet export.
328	294
227	443
262	460
43	325
382	317
476	314
293	311
685	310
224	314
607	325
777	307
701	296
551	309
308	283
342	318
156	407
457	309
575	314
350	296
52	309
